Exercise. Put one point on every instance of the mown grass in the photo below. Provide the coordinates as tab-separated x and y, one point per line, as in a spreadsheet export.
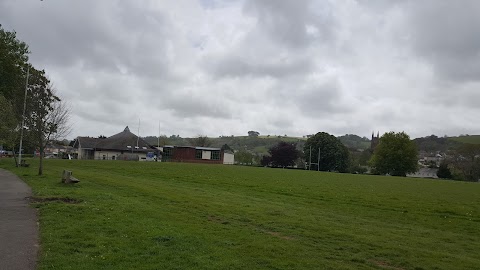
473	139
139	215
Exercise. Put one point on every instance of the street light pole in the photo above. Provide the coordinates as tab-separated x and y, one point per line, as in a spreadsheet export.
23	119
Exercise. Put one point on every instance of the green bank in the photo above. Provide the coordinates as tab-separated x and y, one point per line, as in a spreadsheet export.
140	215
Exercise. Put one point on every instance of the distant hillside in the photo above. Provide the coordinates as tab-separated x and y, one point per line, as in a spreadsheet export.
259	144
433	143
473	139
353	141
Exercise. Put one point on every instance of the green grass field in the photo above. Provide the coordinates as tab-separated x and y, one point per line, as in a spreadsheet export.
473	139
139	215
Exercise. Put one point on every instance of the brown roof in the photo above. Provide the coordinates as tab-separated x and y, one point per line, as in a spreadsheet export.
86	142
119	141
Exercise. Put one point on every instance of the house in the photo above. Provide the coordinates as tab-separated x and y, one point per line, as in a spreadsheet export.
196	154
56	150
425	173
427	159
123	145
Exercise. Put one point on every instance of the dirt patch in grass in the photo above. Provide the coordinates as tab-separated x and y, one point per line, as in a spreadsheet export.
216	219
53	199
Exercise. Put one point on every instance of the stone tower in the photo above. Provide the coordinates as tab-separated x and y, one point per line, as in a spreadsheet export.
375	140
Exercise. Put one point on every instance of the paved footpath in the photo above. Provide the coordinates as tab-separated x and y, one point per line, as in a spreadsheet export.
18	225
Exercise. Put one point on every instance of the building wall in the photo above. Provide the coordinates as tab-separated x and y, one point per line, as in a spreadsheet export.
85	153
181	154
228	158
110	153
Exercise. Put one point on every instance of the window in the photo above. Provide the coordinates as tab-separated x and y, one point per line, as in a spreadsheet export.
168	152
198	154
215	155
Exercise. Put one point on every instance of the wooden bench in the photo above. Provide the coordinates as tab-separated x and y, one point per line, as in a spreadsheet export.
23	163
68	178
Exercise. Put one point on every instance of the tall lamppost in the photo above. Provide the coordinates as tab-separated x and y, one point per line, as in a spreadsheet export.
23	119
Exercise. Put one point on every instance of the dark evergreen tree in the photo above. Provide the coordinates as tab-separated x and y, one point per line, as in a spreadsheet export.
283	154
334	156
443	171
266	161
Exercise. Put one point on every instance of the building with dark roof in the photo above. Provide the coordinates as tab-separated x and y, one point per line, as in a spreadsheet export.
193	154
123	143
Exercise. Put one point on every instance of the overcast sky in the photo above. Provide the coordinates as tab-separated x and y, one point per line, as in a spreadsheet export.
292	67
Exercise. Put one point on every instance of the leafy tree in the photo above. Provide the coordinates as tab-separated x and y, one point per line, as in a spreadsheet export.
365	157
8	123
284	154
354	162
244	157
202	141
163	140
13	69
334	156
395	154
252	133
465	162
443	171
266	161
225	147
46	116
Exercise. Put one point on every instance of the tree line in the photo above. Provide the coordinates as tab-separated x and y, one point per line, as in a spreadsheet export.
29	104
395	155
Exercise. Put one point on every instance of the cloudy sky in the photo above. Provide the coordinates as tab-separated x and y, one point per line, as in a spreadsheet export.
290	67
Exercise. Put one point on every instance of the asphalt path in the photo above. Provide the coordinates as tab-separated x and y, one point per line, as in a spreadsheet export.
18	225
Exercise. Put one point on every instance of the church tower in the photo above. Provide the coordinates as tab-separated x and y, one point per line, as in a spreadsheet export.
375	140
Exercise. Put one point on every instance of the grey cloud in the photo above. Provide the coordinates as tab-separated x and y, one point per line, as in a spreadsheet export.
465	95
109	38
446	34
190	102
290	22
317	101
101	113
280	67
274	67
192	108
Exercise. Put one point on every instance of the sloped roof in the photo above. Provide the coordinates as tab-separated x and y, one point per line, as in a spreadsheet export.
119	141
86	142
196	147
207	148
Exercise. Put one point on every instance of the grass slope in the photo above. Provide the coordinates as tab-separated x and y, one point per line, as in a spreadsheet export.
139	215
473	139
